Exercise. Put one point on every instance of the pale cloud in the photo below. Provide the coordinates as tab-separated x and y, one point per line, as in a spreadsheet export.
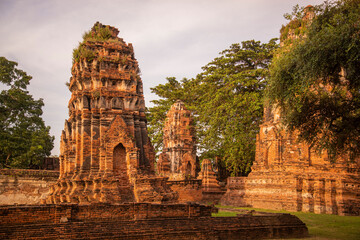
170	38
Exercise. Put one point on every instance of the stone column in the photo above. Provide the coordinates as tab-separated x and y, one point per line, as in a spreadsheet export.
299	191
327	196
102	150
340	185
85	156
334	203
308	196
319	195
72	147
78	143
95	143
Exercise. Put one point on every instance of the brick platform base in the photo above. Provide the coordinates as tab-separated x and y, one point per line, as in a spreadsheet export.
141	221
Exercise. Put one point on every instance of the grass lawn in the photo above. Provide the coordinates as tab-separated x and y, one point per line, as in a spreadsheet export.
321	226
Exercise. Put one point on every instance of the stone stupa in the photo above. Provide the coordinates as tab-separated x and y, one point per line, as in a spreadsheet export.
106	154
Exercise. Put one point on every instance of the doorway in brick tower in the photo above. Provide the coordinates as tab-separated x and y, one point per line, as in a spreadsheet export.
119	160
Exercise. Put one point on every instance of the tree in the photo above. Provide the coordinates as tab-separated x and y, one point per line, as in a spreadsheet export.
230	103
24	138
227	101
316	82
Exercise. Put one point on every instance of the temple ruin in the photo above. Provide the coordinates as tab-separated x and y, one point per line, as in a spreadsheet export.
178	159
290	174
106	154
179	163
107	188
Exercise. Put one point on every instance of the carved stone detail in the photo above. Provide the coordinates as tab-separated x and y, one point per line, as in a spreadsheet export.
105	148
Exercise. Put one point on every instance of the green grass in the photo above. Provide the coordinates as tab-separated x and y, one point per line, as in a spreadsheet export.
321	226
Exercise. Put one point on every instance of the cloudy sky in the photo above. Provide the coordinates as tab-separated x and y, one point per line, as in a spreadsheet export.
170	38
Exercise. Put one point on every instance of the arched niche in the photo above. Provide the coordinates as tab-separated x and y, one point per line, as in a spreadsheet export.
119	160
116	103
188	167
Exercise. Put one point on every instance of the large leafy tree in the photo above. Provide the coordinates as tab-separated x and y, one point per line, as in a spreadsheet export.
24	138
316	80
230	103
227	101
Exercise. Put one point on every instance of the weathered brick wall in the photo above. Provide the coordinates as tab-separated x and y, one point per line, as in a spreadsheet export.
318	193
70	221
98	212
188	190
24	186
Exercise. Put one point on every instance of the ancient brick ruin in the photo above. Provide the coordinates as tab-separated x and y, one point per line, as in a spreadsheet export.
211	190
141	221
25	186
290	175
178	158
106	155
106	187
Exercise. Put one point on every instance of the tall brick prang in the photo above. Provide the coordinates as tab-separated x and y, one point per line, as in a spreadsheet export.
179	147
105	147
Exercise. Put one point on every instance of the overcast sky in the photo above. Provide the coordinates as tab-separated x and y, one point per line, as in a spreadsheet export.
170	38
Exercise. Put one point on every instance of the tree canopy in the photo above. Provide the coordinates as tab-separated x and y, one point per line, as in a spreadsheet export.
227	101
316	80
24	138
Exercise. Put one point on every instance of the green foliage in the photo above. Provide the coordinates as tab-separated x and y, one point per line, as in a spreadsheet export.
230	103
297	13
306	80
97	33
297	23
227	101
24	138
83	52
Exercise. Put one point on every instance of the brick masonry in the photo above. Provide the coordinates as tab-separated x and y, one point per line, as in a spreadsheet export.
105	152
140	221
24	186
290	175
178	159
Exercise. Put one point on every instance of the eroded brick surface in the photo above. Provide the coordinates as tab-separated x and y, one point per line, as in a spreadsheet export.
25	186
178	159
141	221
211	190
105	147
288	174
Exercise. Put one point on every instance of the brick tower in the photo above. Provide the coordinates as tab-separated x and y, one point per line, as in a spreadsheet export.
106	155
179	149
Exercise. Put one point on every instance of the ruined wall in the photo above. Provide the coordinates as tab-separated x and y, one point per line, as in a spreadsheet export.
23	186
188	190
288	174
140	221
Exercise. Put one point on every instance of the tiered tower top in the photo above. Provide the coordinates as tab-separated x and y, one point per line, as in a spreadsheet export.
105	73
